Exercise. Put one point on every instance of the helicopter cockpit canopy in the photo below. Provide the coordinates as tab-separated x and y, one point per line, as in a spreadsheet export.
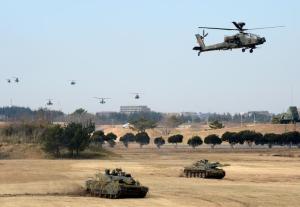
250	35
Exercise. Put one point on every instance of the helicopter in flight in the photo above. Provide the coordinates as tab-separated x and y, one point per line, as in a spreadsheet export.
72	82
8	80
137	95
243	39
49	103
102	100
17	80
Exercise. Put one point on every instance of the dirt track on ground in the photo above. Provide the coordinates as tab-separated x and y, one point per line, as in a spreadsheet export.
252	179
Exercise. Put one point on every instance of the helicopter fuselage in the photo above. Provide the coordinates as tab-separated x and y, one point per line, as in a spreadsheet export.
240	40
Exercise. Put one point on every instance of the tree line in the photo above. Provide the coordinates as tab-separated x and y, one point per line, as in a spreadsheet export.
247	137
16	113
76	137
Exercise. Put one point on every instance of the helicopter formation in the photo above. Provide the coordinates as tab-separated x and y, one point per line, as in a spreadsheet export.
242	40
49	102
102	100
15	79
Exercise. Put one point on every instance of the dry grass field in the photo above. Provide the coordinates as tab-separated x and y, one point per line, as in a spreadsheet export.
254	178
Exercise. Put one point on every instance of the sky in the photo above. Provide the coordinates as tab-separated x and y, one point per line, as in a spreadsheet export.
115	48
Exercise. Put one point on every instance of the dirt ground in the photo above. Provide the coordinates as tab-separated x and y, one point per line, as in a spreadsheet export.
252	179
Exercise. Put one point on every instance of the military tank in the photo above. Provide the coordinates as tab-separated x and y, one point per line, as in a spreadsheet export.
205	169
115	184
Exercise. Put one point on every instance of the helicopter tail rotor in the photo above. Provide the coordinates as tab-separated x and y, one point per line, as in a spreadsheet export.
204	34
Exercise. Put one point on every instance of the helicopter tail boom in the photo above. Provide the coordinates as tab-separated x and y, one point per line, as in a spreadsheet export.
200	42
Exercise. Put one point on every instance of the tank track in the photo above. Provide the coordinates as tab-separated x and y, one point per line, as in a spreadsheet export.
204	174
131	192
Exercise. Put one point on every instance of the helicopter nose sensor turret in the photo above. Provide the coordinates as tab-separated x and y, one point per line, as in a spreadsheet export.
261	40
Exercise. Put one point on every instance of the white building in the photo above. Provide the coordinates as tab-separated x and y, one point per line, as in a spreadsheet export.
134	109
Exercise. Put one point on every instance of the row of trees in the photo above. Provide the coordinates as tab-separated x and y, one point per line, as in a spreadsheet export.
270	139
233	138
16	113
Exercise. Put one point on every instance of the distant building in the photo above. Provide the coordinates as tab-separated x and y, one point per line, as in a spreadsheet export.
105	113
190	114
134	109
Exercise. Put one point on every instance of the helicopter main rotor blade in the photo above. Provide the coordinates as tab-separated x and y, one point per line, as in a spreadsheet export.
219	28
263	28
101	98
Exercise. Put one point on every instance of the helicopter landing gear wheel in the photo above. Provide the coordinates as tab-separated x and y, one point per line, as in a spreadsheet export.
199	53
251	51
243	50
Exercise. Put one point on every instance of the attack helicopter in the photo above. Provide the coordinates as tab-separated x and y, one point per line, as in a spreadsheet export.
72	82
243	39
102	100
137	95
49	103
16	79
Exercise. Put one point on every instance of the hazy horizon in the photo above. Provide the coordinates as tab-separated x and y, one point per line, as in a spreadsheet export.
116	48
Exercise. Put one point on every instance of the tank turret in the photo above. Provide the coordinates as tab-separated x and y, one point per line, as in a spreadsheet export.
115	184
205	169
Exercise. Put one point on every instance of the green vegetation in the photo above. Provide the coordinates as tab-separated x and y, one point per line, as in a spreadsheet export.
248	136
53	140
195	141
159	141
231	138
142	138
74	137
212	140
110	138
141	124
98	138
175	139
127	138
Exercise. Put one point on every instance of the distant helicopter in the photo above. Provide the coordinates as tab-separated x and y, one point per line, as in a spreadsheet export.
137	95
102	100
16	79
242	39
72	82
49	103
8	80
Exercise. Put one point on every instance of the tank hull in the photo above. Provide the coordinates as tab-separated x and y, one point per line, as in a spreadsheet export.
208	174
116	191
